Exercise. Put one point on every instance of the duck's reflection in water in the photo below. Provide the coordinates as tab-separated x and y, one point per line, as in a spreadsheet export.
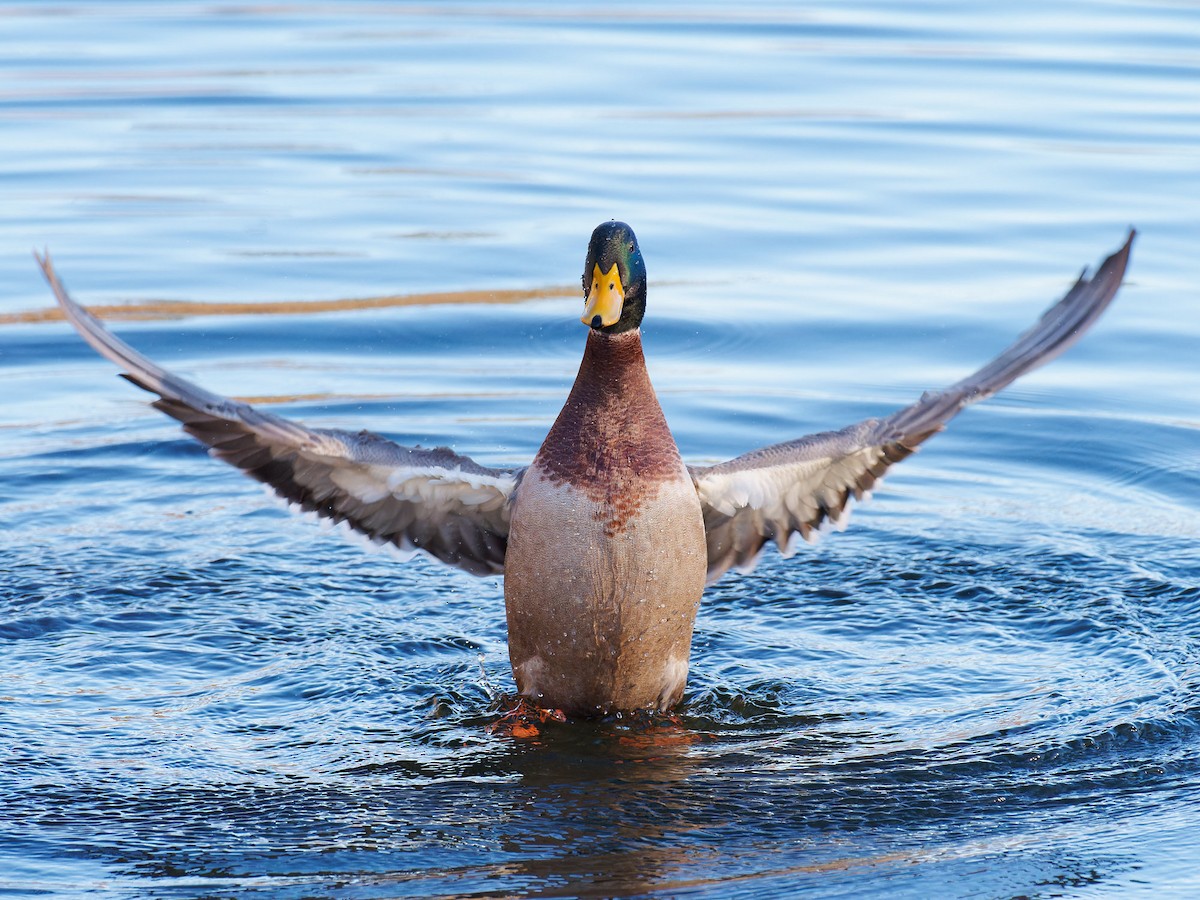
603	806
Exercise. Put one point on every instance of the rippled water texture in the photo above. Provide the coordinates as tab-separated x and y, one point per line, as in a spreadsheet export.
987	687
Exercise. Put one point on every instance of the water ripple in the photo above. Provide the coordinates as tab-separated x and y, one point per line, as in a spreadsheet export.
985	688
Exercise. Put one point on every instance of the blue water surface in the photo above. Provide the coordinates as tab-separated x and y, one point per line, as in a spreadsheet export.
986	688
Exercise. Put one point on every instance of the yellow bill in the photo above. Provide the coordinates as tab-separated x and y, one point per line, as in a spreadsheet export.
604	299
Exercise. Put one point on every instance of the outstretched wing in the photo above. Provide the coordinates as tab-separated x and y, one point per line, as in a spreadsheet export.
431	500
776	492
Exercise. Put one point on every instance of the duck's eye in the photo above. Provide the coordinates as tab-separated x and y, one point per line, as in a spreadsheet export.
611	285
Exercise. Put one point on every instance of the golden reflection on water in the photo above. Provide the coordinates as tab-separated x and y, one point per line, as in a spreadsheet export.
173	309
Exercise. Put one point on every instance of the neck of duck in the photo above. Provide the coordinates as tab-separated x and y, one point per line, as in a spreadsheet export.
613	365
612	422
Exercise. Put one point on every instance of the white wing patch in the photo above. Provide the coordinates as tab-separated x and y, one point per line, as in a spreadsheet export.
437	489
776	493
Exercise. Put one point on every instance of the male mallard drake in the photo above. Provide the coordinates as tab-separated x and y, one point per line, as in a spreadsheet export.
607	539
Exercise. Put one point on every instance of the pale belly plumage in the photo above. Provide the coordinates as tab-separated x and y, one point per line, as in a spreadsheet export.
601	597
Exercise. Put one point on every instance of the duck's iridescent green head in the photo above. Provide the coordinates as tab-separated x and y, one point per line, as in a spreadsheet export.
614	280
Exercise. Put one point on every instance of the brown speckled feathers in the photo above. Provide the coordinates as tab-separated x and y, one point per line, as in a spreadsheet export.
611	439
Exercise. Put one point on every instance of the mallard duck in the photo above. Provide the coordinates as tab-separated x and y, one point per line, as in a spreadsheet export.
607	539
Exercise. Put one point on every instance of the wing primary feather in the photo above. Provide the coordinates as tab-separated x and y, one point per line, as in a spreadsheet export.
809	481
451	507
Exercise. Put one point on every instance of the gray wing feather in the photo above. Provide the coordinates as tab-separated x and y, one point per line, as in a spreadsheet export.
434	500
795	487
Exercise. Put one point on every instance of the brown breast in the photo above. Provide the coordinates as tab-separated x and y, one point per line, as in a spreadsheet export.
611	440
